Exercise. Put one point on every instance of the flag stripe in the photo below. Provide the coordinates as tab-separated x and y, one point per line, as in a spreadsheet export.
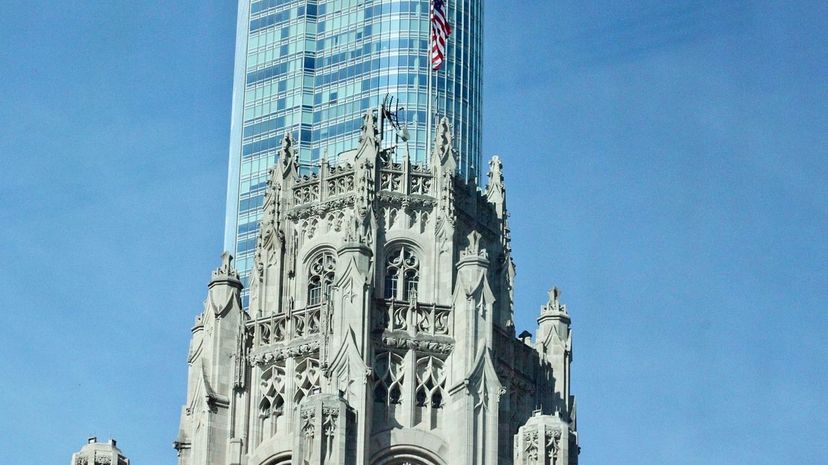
440	30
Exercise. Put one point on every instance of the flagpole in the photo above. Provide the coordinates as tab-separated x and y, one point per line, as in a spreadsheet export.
429	121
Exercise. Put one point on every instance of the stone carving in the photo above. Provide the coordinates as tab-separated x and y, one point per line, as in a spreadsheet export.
329	417
421	230
308	431
301	212
553	444
226	270
554	304
531	447
274	354
287	156
306	193
334	220
434	347
421	185
368	134
431	382
341	184
473	249
272	388
390	181
412	317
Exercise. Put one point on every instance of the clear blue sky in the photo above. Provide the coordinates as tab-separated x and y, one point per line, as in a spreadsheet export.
665	162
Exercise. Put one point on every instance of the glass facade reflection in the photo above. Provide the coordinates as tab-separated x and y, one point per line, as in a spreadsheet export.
314	67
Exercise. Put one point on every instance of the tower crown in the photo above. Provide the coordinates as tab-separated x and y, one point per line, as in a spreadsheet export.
380	319
99	453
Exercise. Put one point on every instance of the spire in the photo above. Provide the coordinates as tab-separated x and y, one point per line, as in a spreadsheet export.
554	305
474	249
496	190
287	156
225	272
443	153
368	133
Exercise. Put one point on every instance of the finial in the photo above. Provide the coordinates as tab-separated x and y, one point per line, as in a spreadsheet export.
369	129
226	270
554	304
495	165
287	142
443	153
554	294
287	153
474	249
495	170
496	190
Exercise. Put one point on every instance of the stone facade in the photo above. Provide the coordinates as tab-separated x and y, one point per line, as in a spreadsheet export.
380	328
99	453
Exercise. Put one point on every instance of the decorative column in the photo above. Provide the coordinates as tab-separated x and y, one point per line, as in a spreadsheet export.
325	432
545	440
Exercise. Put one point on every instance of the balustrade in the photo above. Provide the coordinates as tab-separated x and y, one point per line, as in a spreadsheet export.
283	327
416	318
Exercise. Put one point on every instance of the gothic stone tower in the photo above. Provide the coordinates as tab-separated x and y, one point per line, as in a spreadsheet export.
380	328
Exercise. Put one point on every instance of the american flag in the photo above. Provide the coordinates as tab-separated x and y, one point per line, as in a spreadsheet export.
440	30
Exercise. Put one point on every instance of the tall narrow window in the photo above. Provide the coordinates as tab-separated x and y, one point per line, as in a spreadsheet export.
402	274
271	402
320	278
388	377
429	395
306	379
430	382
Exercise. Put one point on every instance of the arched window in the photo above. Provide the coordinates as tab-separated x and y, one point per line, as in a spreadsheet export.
273	391
272	401
430	391
306	378
320	278
402	275
388	372
431	381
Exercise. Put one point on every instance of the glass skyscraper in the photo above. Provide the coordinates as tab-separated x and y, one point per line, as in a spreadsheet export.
314	67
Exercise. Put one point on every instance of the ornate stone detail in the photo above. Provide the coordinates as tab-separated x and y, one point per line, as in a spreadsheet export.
226	270
334	220
287	155
306	193
531	447
434	347
554	304
308	428
413	318
306	211
421	185
390	181
272	389
473	249
329	420
280	353
553	445
401	239
368	134
396	199
341	184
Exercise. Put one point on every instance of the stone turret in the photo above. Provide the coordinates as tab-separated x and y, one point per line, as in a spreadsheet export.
99	453
380	325
554	344
216	374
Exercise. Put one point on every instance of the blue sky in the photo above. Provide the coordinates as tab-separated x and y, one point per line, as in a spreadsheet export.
665	165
